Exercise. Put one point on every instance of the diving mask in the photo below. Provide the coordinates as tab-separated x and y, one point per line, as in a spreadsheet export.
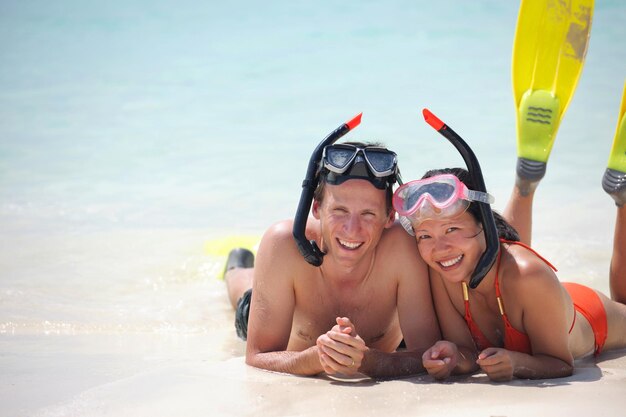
441	196
376	164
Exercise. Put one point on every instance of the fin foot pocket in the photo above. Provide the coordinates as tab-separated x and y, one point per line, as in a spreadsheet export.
239	258
614	183
529	173
530	170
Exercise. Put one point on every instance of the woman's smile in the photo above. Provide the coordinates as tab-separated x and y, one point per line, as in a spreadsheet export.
450	262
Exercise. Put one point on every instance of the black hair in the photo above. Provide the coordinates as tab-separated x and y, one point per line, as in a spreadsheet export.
505	230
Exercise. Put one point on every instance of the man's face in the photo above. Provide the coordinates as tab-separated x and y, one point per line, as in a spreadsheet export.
352	216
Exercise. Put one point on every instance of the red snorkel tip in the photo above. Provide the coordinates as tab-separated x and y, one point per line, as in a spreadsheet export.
433	120
355	121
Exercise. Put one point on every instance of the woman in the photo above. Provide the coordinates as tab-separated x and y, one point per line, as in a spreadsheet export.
521	321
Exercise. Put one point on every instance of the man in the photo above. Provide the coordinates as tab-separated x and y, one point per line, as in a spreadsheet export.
370	293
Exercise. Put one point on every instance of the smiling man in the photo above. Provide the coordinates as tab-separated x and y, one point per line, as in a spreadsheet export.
350	314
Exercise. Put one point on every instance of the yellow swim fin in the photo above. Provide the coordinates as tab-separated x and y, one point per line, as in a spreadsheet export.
614	180
222	246
549	51
239	250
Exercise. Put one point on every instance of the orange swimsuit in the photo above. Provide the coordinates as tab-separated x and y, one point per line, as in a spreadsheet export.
586	302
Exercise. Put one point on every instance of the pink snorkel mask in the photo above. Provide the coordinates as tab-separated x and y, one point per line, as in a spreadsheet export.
441	196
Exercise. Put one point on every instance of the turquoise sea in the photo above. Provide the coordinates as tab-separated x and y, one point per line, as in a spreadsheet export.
132	132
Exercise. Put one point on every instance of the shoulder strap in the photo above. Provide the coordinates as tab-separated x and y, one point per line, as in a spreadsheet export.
514	242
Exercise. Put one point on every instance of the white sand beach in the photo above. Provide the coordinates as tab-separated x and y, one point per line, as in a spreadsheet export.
91	380
175	352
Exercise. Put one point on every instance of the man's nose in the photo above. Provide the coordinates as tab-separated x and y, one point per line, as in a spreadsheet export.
353	224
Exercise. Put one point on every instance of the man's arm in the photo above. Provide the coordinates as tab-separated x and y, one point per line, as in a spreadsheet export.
343	351
272	307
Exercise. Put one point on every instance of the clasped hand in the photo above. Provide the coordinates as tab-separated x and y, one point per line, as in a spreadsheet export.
341	349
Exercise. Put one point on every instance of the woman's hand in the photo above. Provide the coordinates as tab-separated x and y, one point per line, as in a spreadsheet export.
497	363
441	359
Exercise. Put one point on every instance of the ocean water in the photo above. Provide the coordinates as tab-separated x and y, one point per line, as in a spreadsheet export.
131	133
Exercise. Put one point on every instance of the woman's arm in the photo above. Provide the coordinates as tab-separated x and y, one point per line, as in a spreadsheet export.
457	355
534	297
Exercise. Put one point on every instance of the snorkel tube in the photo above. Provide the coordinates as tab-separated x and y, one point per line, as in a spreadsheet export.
486	215
309	248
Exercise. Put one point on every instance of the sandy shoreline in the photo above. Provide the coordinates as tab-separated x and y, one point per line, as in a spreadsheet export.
200	375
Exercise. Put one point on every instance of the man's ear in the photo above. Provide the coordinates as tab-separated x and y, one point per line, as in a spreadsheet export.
316	209
391	219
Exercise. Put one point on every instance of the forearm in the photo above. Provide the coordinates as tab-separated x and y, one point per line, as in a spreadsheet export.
540	367
377	364
298	363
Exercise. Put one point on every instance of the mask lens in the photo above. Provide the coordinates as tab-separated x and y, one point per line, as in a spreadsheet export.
431	211
339	157
439	193
381	161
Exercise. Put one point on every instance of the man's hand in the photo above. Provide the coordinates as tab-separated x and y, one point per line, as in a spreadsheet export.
341	349
441	359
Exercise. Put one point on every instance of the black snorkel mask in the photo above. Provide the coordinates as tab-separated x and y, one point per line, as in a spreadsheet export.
486	215
339	163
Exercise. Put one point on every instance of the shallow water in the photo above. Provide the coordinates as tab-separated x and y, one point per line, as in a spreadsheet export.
130	134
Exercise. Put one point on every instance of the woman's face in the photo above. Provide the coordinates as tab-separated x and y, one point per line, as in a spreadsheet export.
451	247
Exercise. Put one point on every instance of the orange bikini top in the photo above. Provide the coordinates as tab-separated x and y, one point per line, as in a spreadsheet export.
513	338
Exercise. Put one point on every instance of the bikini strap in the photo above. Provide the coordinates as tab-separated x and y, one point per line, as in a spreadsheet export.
497	284
514	242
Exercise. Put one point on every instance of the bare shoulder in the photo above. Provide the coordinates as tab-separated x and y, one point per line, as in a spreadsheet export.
280	231
527	274
400	250
277	248
396	238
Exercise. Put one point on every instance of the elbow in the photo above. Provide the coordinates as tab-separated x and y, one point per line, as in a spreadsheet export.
252	358
563	371
249	360
567	370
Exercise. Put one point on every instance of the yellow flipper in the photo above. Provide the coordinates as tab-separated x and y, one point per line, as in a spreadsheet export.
549	51
617	158
223	245
614	180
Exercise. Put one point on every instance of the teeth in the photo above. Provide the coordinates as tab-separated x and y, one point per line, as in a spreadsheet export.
451	261
351	245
